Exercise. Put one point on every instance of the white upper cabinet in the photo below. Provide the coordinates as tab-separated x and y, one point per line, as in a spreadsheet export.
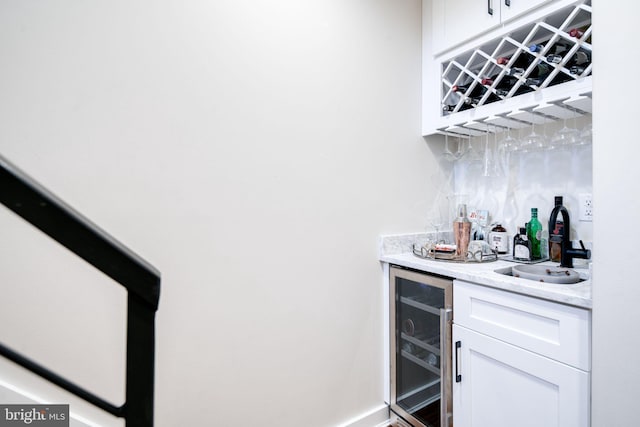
526	62
457	21
510	9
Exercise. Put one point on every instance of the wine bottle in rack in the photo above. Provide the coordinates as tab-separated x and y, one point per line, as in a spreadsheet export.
448	108
519	66
557	51
554	58
579	61
504	85
535	48
473	96
540	74
579	33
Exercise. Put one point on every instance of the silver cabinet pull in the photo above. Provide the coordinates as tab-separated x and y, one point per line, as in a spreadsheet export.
489	8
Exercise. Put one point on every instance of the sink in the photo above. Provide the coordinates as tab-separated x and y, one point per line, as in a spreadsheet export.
543	273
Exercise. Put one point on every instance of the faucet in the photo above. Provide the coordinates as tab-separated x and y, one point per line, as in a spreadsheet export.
568	253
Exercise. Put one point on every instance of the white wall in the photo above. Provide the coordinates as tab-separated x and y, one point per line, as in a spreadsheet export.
616	293
253	152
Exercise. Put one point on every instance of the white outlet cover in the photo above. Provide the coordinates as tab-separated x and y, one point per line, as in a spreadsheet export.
585	203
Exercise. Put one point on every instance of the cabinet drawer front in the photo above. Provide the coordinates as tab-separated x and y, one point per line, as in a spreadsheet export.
554	330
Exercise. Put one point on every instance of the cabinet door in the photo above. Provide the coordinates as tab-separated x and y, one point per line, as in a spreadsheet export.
496	384
512	8
456	21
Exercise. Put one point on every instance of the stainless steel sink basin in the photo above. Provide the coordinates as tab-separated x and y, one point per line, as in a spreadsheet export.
543	273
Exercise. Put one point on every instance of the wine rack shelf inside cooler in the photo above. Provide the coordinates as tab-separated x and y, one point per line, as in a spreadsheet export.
420	397
418	346
522	65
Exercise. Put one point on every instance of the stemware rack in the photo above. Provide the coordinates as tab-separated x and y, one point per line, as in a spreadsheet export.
515	80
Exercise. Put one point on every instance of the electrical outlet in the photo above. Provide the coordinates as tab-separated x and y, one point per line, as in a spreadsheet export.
586	207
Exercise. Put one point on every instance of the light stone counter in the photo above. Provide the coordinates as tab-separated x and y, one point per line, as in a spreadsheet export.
397	250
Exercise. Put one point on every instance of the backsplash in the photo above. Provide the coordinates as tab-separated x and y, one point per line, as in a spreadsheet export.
509	184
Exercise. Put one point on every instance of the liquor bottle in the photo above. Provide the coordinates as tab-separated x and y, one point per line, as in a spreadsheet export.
534	233
555	235
462	232
521	246
498	239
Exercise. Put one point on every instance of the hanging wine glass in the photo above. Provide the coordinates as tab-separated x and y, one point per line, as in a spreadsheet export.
488	159
463	148
533	141
565	136
509	142
586	136
504	149
448	154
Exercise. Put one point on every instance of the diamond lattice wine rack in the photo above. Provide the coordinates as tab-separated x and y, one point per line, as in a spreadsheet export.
537	73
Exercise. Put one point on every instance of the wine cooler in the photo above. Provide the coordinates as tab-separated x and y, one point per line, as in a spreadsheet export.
420	332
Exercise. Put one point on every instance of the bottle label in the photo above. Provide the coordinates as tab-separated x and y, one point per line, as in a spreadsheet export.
521	252
499	241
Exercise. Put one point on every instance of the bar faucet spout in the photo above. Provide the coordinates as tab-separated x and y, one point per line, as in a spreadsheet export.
568	252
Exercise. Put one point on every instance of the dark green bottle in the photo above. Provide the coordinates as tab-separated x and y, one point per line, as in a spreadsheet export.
534	233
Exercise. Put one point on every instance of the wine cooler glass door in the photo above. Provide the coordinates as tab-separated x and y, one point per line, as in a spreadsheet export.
420	329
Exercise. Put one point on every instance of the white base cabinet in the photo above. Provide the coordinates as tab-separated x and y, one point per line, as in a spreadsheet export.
504	372
501	385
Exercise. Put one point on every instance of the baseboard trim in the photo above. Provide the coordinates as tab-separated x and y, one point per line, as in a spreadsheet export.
20	386
376	417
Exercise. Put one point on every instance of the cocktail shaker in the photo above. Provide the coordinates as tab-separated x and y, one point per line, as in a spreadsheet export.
462	231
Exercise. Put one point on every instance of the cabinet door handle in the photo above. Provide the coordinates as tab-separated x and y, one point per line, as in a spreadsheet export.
458	376
507	3
489	8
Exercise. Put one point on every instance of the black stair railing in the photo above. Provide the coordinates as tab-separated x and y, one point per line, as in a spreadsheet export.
35	204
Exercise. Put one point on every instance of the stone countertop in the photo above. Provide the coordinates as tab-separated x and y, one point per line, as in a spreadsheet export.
397	250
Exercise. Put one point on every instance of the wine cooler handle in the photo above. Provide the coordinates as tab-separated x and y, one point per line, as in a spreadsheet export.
507	3
445	368
489	8
458	376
